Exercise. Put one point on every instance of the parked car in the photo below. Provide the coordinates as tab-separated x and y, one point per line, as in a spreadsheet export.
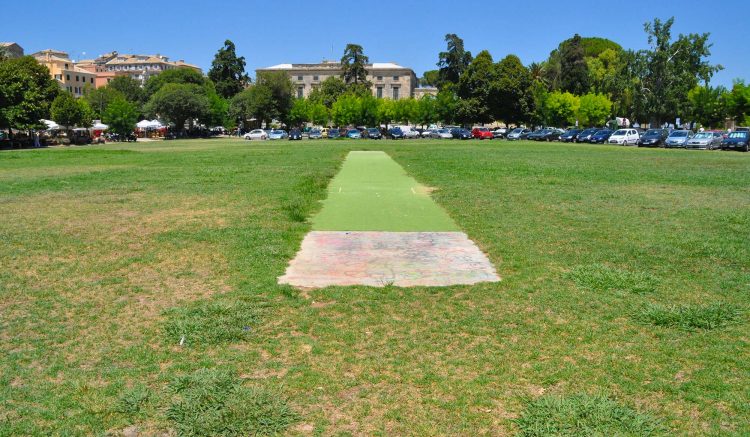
624	137
256	134
705	140
315	134
499	133
442	134
372	133
534	136
278	134
410	133
653	138
570	135
395	133
353	134
601	136
482	133
333	134
550	135
586	134
519	133
678	138
295	134
427	133
737	140
461	133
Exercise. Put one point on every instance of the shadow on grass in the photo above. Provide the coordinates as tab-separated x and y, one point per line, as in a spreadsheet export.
585	415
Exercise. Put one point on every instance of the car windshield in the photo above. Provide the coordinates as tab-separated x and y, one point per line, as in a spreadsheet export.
738	135
353	131
653	132
482	129
620	132
603	132
277	132
314	131
703	135
443	131
679	133
517	131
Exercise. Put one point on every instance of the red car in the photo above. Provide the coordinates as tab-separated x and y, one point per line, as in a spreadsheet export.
482	133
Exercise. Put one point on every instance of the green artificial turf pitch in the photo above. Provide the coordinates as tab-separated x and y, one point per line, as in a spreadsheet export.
373	193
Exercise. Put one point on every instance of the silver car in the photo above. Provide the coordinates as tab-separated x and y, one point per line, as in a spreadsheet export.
705	140
678	138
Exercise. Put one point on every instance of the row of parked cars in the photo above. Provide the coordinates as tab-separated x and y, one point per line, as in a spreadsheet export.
668	138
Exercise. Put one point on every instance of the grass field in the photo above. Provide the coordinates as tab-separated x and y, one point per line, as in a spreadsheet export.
138	290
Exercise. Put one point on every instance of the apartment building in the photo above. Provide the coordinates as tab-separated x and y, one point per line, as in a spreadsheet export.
65	72
138	67
389	80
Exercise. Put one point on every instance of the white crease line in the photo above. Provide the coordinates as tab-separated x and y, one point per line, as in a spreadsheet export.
412	190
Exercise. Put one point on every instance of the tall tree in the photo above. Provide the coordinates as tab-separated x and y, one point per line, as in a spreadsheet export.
176	76
707	105
328	91
26	93
353	64
478	87
514	91
280	86
179	102
130	88
673	69
228	71
70	112
594	110
430	78
737	102
561	108
574	74
452	62
100	98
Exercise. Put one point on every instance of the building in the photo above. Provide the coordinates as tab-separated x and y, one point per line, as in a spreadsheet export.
389	80
11	49
425	91
65	72
138	67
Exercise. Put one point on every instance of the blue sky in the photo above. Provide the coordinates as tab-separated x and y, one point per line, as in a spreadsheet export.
410	33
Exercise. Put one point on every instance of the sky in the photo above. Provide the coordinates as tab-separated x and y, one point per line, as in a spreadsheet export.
410	33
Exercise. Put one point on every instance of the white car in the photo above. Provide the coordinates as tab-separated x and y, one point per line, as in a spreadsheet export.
442	134
427	133
257	134
624	137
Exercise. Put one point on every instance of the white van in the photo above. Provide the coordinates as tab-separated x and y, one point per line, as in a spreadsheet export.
409	132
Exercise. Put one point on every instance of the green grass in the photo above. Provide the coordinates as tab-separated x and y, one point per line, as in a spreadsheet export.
110	254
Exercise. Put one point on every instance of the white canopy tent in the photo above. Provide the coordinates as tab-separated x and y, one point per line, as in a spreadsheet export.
50	124
99	126
143	124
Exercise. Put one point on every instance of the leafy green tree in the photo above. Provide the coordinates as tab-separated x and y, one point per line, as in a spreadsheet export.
405	110
26	93
130	88
561	108
174	76
121	116
478	88
453	62
430	78
427	111
318	114
328	92
447	104
369	107
594	110
280	86
255	103
179	102
707	105
574	74
386	111
514	101
300	112
671	69
99	98
353	64
70	112
737	102
218	110
228	71
346	110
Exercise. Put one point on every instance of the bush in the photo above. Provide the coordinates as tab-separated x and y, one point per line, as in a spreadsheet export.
689	317
211	322
585	415
599	277
214	402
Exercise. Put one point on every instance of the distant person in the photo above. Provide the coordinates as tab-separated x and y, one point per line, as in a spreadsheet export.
36	139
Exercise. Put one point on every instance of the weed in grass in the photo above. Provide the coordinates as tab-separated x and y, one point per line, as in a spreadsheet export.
585	415
297	208
599	277
214	402
132	400
689	317
210	322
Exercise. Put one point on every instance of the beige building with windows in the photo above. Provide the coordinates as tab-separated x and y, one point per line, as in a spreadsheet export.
389	80
65	72
138	67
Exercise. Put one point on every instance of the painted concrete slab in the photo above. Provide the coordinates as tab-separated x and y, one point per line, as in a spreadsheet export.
403	259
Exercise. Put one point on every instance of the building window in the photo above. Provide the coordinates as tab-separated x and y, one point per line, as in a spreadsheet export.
300	92
92	80
379	92
395	78
76	78
67	77
395	93
299	77
58	76
380	77
66	66
315	77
